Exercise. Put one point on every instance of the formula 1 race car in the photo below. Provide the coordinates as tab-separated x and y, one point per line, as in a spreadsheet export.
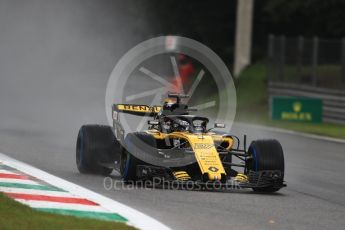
178	147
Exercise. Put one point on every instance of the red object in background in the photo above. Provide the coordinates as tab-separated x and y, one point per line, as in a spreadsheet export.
186	70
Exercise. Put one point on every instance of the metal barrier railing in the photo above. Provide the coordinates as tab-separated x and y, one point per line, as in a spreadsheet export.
308	61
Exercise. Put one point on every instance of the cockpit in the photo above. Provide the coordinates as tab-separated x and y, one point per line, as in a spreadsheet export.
174	117
183	123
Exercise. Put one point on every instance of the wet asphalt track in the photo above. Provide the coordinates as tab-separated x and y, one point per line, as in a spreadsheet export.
42	132
55	59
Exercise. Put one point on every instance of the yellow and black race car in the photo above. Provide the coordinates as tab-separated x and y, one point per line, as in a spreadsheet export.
178	148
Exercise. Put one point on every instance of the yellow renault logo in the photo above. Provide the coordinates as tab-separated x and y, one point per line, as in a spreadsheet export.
213	169
297	107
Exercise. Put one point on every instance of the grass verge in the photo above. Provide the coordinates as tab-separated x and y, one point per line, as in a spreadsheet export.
252	105
14	215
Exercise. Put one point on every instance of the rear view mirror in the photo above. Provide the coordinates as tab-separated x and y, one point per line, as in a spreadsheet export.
219	125
153	122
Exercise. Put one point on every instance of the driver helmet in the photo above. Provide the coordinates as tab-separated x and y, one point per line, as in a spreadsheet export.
168	104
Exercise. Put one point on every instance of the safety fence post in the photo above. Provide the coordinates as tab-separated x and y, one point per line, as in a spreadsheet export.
282	58
270	53
315	60
300	57
343	60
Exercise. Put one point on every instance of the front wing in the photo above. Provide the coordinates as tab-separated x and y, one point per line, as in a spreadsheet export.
162	178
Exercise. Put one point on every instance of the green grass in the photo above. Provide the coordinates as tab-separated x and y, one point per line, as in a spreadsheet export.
14	215
252	105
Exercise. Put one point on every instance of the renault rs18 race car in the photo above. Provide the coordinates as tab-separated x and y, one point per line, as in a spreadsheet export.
178	147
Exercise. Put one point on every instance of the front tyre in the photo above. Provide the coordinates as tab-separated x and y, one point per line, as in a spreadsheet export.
128	166
96	145
136	143
266	160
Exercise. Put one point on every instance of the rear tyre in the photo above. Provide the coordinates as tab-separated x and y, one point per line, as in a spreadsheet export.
266	155
96	145
135	143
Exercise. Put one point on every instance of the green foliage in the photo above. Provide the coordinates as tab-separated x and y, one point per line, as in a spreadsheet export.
209	22
213	22
307	17
251	96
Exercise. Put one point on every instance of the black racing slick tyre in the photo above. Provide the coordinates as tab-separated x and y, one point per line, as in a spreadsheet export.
96	145
267	156
134	143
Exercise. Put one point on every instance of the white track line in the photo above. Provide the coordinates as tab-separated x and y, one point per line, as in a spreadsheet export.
19	181
57	205
135	218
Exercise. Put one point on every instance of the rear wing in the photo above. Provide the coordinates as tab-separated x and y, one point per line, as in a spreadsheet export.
139	110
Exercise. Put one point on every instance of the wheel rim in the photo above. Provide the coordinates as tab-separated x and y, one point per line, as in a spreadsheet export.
123	163
255	165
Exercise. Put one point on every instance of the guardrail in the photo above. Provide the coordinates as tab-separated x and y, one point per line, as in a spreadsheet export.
333	100
317	62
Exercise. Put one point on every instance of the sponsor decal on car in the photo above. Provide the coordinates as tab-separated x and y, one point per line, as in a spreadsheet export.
203	146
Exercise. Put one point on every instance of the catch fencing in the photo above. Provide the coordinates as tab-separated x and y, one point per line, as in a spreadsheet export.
309	67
